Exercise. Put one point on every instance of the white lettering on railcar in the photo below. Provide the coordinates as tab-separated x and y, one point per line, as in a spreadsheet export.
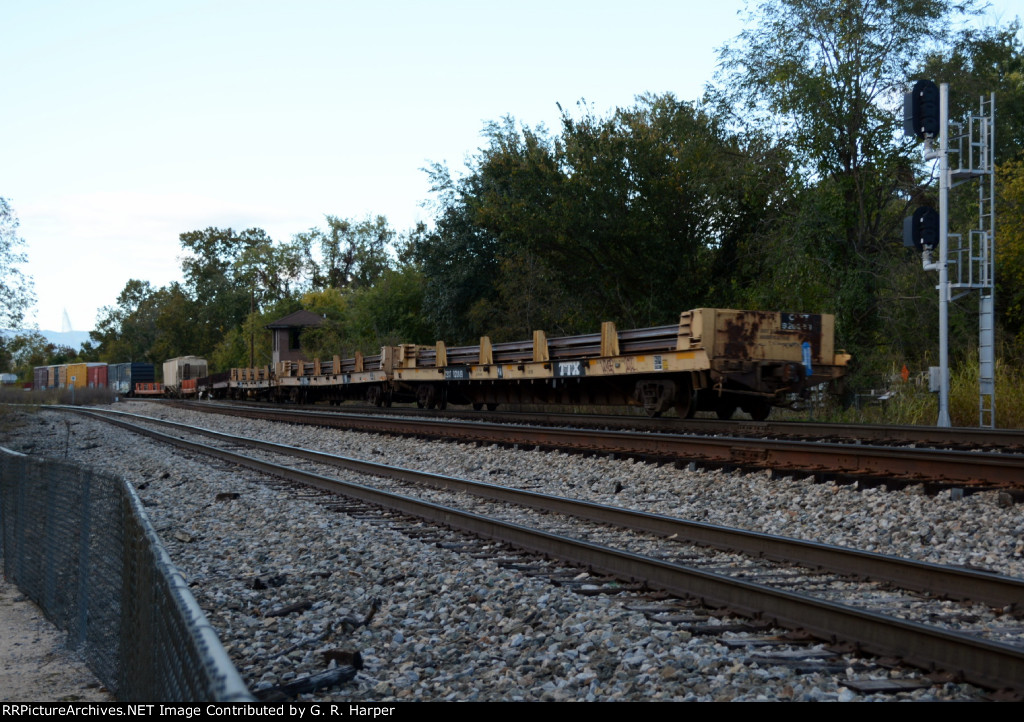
569	368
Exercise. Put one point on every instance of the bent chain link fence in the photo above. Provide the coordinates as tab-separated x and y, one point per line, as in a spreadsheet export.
78	543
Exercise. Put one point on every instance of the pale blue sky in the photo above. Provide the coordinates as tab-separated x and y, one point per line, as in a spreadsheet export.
124	124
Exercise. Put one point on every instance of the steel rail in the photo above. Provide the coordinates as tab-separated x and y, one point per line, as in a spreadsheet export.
931	435
982	662
937	579
908	464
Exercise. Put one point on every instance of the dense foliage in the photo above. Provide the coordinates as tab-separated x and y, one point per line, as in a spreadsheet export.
237	283
630	218
16	294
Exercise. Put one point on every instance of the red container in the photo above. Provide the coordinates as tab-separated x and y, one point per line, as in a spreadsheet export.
97	376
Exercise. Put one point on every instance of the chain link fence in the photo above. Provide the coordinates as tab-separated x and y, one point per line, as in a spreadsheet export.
78	543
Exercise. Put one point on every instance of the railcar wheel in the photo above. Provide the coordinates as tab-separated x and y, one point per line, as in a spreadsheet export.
686	406
426	396
759	410
492	407
477	406
725	410
656	397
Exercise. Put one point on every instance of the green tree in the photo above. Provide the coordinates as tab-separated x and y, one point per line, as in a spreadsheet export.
21	352
826	77
127	331
390	311
335	336
1010	244
975	64
25	351
227	276
620	218
179	325
459	258
982	61
352	254
16	294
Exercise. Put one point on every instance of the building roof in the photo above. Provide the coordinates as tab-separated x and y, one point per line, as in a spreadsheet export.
299	319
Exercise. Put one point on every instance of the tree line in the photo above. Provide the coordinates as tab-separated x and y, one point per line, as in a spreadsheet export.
784	187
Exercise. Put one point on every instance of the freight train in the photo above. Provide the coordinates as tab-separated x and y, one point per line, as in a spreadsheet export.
125	379
716	360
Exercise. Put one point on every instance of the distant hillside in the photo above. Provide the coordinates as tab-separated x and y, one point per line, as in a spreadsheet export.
74	339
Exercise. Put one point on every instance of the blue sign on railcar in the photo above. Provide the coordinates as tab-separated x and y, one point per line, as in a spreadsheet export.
456	373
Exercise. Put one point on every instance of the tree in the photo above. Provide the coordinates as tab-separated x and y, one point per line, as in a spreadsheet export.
979	62
272	271
826	77
16	294
353	255
1010	244
831	75
335	335
21	352
227	274
390	311
458	258
127	331
618	218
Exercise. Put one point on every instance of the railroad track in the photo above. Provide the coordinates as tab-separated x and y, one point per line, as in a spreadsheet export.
959	438
987	662
897	466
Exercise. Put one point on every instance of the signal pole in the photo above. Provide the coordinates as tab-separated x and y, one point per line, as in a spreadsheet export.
942	263
943	256
926	115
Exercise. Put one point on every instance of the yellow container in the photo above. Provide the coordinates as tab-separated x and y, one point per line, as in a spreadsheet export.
80	374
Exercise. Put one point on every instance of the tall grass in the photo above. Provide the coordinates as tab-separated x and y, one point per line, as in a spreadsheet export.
81	397
911	403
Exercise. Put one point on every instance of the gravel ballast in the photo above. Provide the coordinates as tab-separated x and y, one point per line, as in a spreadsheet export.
453	627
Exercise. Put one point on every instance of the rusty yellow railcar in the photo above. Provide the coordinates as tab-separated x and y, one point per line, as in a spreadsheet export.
713	359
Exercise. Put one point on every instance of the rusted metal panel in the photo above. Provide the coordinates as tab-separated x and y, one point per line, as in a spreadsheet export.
769	335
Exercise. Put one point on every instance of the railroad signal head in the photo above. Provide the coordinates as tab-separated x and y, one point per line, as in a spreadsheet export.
921	110
921	230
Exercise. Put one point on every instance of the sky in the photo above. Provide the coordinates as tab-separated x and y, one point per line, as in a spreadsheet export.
125	124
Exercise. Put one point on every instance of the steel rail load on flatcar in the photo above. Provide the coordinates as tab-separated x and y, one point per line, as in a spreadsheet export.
712	360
